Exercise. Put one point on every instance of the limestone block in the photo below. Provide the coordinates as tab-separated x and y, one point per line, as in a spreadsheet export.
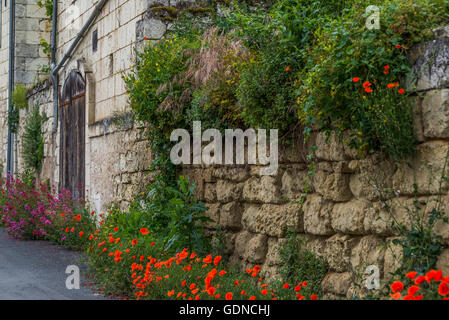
337	251
231	216
256	249
429	61
293	183
443	262
316	245
273	257
270	273
373	179
378	221
210	192
348	217
329	148
317	215
213	213
435	114
233	174
392	259
336	283
262	190
368	251
273	220
241	243
418	127
425	170
150	28
334	186
228	191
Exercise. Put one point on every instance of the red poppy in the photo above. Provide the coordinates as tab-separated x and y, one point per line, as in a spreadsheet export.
413	289
287	69
81	233
313	297
208	259
443	289
398	46
411	275
217	260
264	292
211	291
397	286
401	91
228	296
144	231
419	280
356	79
286	286
133	242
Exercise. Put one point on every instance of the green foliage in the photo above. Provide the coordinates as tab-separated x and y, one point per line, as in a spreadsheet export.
186	217
13	119
48	5
326	44
32	141
174	214
19	97
301	264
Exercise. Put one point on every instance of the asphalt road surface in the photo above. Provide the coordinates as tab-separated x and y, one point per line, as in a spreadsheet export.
35	270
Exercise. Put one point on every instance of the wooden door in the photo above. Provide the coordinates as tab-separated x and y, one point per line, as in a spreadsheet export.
72	144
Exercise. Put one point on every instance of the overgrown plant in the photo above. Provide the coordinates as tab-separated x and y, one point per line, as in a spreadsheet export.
33	141
18	101
299	263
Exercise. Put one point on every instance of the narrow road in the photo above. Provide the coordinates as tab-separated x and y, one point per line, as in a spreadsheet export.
35	270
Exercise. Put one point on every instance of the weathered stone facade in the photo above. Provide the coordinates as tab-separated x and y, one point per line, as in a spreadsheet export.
342	218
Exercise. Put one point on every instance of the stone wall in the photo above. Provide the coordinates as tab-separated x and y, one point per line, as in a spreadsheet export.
343	217
118	157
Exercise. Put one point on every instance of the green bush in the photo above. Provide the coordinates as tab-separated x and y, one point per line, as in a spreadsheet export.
32	141
299	263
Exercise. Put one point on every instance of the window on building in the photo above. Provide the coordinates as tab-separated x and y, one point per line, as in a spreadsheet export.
95	40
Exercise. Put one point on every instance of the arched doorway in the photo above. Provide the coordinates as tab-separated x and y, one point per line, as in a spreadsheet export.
72	144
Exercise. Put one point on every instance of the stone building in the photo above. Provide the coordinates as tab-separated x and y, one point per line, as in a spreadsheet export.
95	44
93	148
